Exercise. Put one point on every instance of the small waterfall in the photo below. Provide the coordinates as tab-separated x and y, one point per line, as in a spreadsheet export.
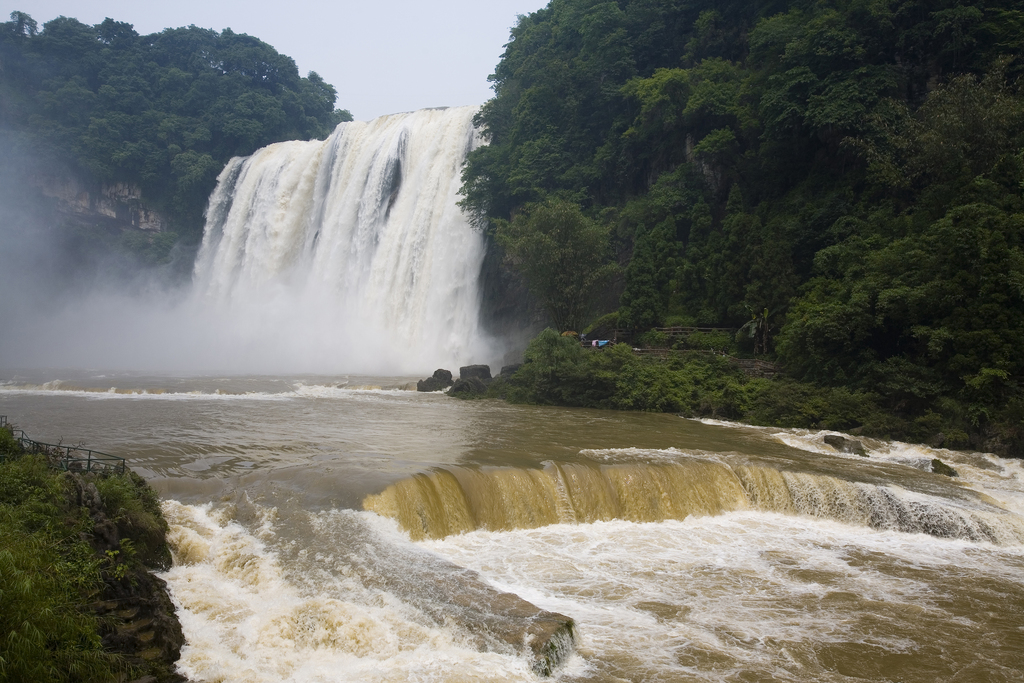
351	250
457	500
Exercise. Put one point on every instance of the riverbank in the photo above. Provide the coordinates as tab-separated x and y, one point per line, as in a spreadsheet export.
78	597
558	371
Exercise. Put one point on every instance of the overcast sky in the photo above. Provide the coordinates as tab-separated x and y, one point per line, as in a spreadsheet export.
383	56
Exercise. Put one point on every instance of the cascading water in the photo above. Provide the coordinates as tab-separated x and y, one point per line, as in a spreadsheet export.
350	253
457	500
504	541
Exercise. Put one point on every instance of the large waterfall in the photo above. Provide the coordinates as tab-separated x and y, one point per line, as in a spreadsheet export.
350	253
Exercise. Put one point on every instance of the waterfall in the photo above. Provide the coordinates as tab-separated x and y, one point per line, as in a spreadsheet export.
350	253
456	500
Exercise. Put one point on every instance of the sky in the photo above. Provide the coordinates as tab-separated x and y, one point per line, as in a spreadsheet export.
382	56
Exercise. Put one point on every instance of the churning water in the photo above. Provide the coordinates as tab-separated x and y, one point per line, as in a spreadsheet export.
346	529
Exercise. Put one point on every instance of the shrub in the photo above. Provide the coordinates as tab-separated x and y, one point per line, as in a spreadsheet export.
48	572
134	507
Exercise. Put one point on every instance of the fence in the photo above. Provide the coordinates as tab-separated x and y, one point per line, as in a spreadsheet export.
66	458
685	331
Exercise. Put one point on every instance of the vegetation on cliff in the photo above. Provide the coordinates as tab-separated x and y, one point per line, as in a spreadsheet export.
76	600
695	383
163	111
849	174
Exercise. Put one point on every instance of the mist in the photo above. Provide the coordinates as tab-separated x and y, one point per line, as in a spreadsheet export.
292	277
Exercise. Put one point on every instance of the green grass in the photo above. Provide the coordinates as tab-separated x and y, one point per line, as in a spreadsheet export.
49	573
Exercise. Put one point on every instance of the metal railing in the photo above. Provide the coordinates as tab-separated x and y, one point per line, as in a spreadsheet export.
66	458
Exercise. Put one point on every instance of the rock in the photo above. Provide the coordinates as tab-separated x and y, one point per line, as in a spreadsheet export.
844	445
473	385
937	440
509	370
440	380
482	372
939	467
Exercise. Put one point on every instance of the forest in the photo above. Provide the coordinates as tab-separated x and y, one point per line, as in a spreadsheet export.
164	111
840	181
847	176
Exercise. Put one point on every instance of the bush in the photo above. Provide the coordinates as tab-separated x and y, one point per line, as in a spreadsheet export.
707	341
8	444
653	339
560	372
134	507
48	573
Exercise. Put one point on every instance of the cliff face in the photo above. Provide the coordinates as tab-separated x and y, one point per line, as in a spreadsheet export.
113	206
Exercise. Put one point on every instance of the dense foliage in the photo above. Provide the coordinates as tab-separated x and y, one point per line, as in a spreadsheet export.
562	254
51	572
847	174
47	574
559	371
164	111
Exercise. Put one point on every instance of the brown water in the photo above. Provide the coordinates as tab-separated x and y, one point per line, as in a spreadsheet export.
684	551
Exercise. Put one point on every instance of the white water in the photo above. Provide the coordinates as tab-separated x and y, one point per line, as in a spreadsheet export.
280	577
344	255
352	247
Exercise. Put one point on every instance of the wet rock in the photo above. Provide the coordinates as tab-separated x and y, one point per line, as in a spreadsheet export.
440	380
937	440
482	372
844	445
138	616
509	370
939	467
143	627
491	619
472	385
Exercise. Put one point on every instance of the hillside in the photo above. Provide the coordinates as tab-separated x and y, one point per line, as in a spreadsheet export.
149	120
846	175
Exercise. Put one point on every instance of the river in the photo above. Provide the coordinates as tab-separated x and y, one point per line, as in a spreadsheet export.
322	527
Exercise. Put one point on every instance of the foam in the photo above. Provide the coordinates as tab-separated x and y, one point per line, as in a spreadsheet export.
247	619
744	594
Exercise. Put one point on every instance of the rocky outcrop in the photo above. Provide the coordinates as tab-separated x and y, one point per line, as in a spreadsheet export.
473	380
138	616
482	372
844	445
472	385
939	467
115	205
509	370
439	381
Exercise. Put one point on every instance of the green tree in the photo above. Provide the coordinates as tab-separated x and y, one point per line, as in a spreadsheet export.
562	255
164	111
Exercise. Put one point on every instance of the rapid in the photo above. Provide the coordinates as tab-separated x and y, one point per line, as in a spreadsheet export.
345	528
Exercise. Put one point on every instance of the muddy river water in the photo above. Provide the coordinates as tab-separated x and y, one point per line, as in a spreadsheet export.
345	528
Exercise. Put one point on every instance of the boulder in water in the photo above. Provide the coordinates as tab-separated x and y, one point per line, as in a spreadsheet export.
844	445
482	372
440	380
472	385
939	467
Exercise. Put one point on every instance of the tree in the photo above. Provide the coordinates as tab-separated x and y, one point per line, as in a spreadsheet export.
562	254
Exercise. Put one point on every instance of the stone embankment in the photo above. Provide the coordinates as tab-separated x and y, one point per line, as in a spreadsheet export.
119	522
140	622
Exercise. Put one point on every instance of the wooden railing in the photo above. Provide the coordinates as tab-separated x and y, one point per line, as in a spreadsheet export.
681	331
